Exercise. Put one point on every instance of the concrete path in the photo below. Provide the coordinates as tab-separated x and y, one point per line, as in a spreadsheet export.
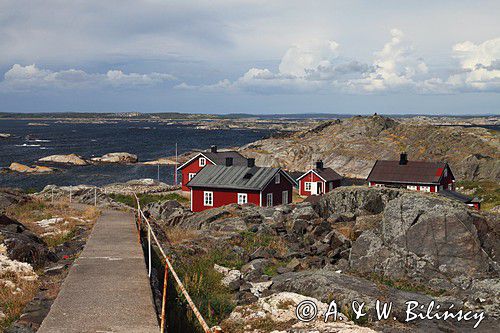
107	288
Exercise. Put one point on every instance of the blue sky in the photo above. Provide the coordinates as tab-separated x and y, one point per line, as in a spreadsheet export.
251	56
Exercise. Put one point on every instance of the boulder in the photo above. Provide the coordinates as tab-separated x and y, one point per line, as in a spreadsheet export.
5	135
18	167
22	244
64	159
10	197
116	158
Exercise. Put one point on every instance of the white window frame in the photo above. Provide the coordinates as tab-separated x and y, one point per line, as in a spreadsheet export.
307	186
277	178
425	188
242	198
208	198
284	197
411	187
191	175
269	200
202	161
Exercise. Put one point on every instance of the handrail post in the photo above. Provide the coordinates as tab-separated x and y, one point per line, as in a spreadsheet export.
149	250
164	299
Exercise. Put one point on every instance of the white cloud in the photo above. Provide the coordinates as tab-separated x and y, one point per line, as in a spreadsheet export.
480	64
20	77
308	56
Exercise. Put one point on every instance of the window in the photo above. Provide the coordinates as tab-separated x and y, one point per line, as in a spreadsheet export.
269	200
425	188
307	186
277	178
445	172
208	198
411	187
203	161
284	197
242	198
191	175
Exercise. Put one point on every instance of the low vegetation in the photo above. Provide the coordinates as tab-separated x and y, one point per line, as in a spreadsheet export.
145	199
488	191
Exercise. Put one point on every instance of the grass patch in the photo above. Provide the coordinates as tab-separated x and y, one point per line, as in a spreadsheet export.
145	199
12	304
488	191
406	285
203	283
251	241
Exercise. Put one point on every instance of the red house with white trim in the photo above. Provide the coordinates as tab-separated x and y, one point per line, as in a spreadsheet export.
220	185
318	181
413	175
213	157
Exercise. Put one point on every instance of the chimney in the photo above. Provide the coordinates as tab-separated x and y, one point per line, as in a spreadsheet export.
319	165
213	148
251	162
229	161
403	158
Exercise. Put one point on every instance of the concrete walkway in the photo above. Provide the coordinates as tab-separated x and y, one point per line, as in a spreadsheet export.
107	288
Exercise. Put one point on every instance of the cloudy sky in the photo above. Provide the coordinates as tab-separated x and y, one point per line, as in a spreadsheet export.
252	56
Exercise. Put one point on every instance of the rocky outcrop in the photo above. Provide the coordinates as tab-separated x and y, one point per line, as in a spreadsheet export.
10	197
64	159
18	167
161	161
411	236
146	185
5	135
22	244
116	158
351	147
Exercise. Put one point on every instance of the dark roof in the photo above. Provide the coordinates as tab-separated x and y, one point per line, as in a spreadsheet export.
234	177
219	158
418	172
328	174
295	174
458	196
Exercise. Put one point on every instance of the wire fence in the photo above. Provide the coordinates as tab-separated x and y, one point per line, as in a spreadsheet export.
151	236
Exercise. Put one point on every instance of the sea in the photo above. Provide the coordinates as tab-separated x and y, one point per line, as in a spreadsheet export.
34	139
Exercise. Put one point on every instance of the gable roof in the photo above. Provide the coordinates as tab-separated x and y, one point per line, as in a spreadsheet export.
218	158
327	174
233	177
418	172
458	196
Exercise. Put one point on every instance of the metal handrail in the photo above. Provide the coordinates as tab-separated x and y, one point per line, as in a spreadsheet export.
168	266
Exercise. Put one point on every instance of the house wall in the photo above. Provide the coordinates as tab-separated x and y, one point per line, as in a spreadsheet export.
433	188
303	180
447	182
221	197
277	191
336	183
193	167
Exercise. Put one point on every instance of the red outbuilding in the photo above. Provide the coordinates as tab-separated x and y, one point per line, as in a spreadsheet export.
213	157
413	175
318	181
219	185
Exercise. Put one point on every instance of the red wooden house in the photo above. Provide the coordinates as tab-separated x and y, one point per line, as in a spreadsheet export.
318	181
213	157
413	175
219	185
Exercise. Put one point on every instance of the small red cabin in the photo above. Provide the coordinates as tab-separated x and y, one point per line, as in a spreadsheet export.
213	157
318	181
220	185
413	175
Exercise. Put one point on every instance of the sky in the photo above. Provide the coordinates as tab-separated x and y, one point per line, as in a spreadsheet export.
250	56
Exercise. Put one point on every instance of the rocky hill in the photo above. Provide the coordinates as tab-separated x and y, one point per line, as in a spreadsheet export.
356	243
352	145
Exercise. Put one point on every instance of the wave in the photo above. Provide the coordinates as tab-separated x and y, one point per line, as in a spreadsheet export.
27	145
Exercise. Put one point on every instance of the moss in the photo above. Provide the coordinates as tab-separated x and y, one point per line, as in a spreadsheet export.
488	191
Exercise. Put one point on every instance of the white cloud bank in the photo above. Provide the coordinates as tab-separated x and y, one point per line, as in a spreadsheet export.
317	66
20	77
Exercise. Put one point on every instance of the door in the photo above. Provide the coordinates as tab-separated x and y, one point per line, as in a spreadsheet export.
269	201
320	188
314	188
284	197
